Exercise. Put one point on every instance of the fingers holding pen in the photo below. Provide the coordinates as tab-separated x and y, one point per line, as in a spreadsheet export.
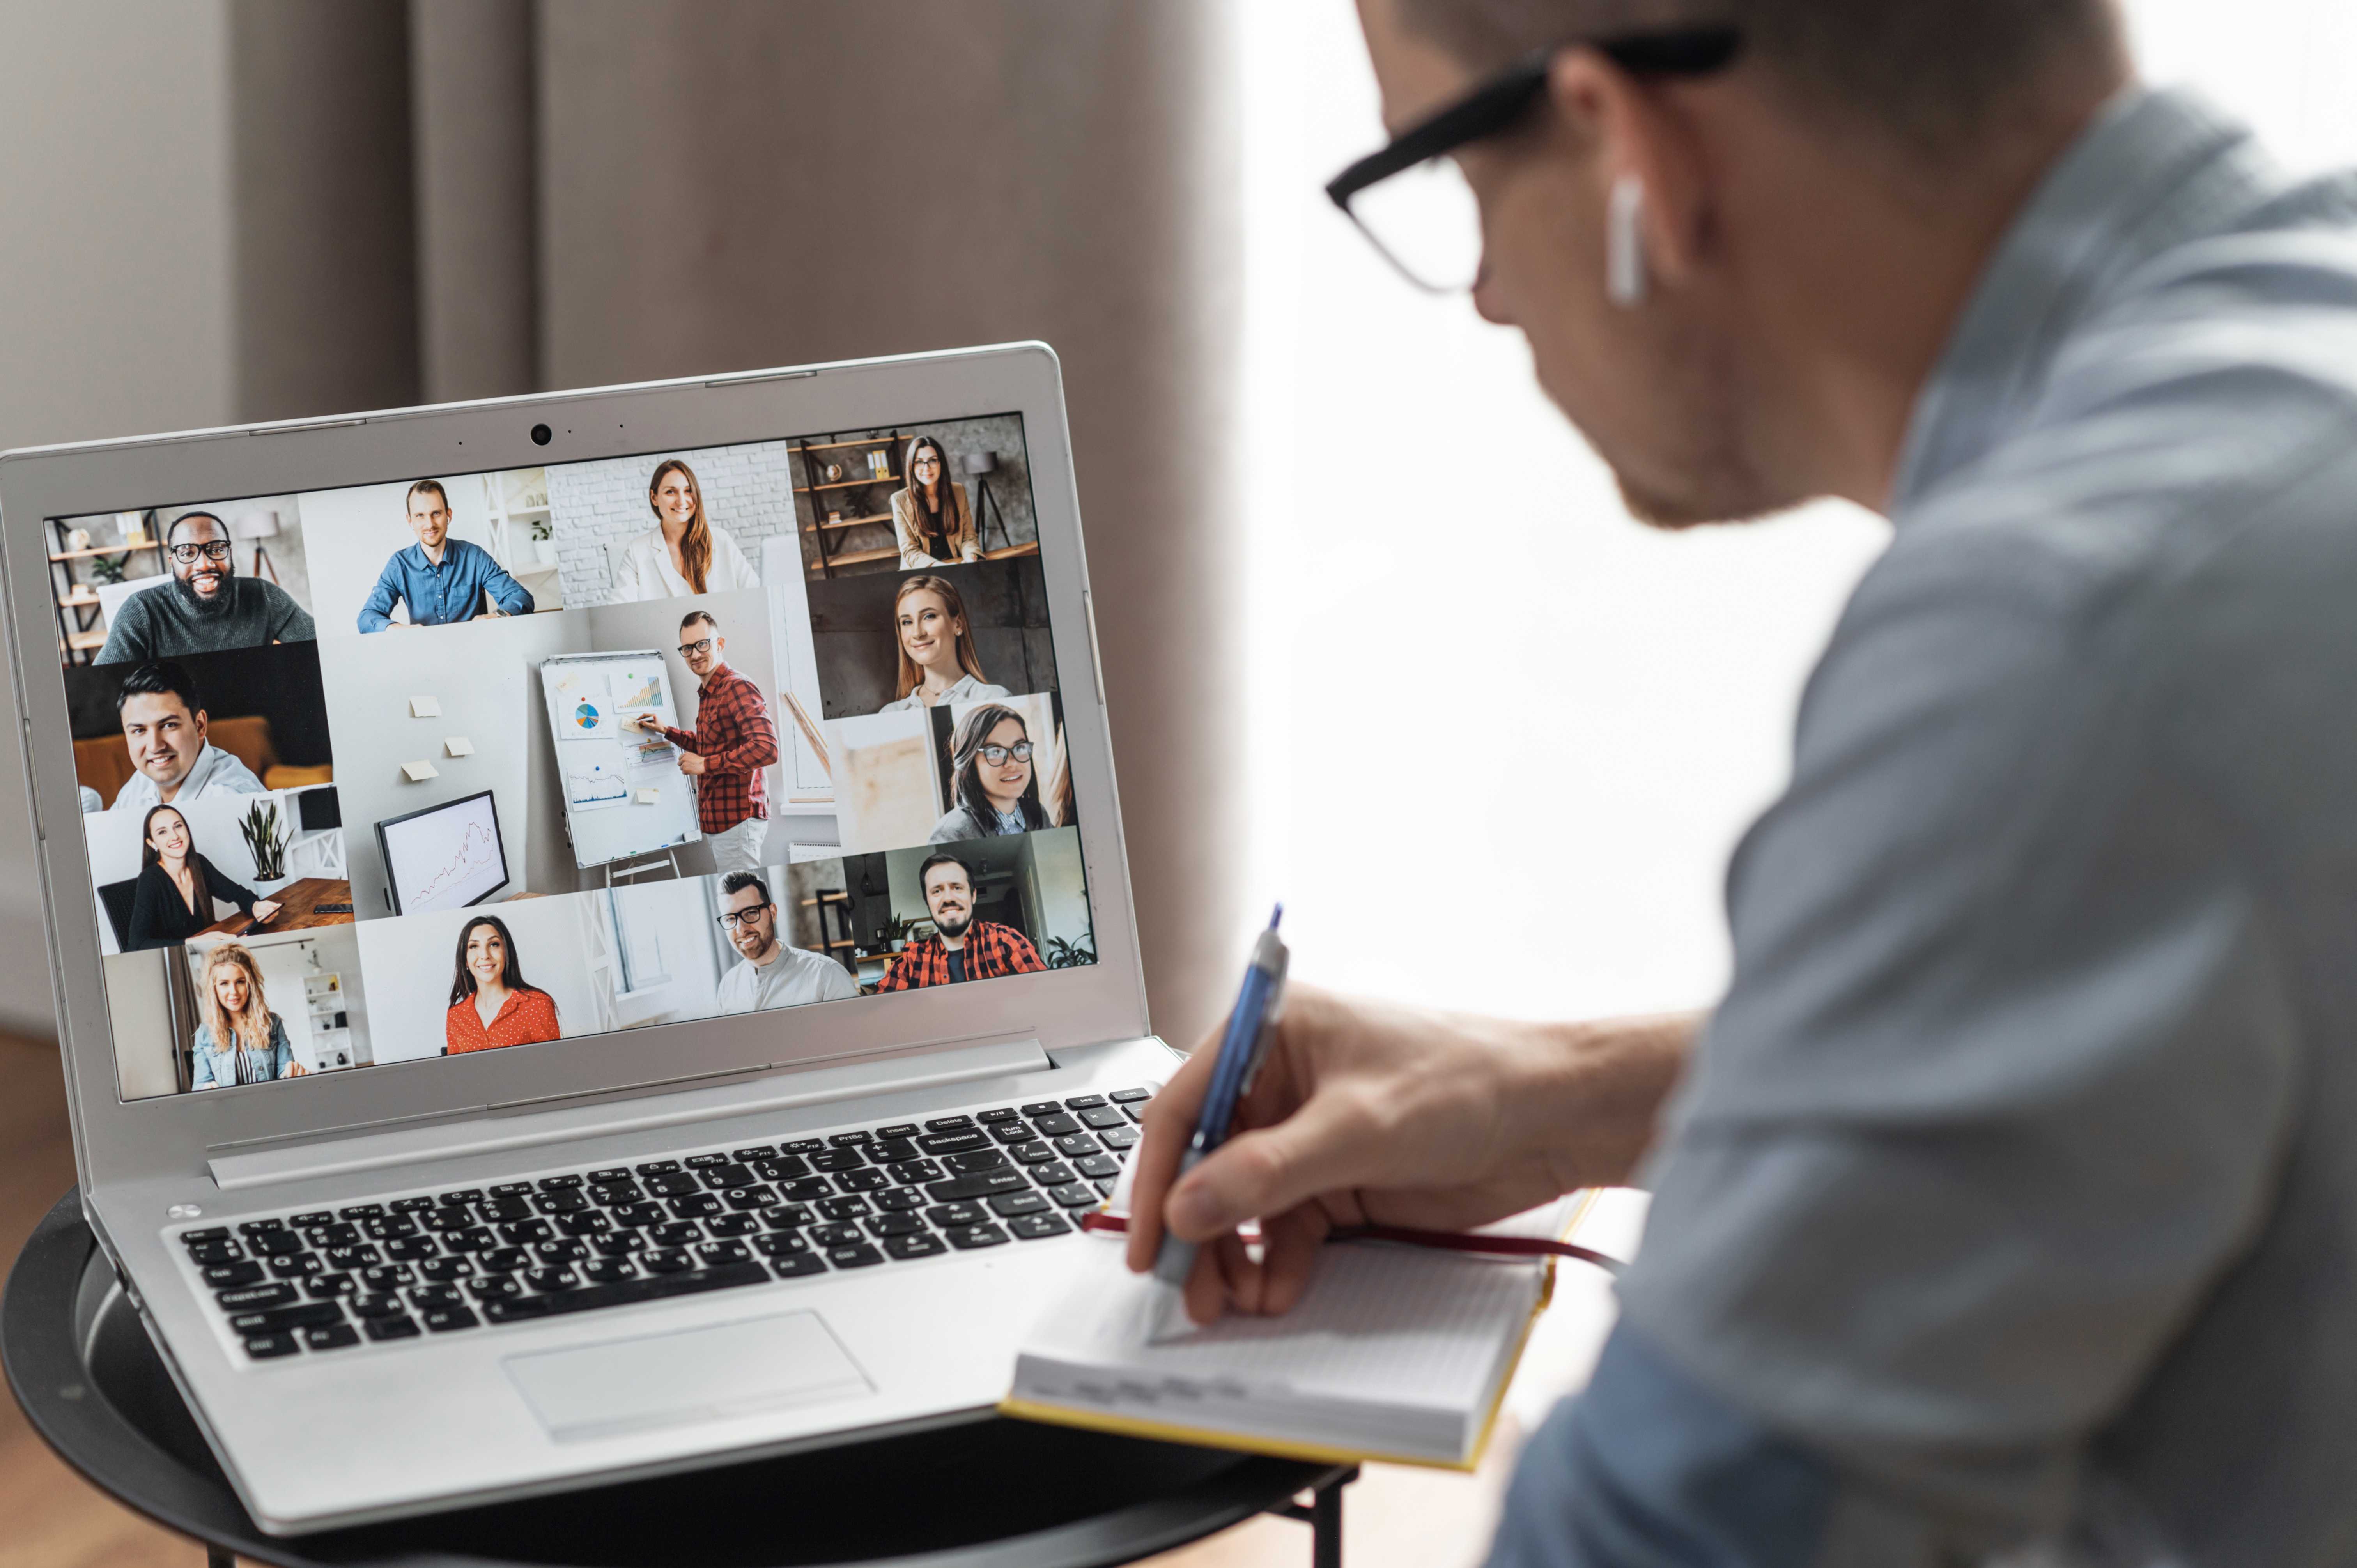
1169	1127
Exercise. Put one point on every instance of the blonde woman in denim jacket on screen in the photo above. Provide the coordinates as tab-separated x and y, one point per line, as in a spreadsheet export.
241	1040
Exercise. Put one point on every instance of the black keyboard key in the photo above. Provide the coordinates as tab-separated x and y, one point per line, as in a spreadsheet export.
550	1184
1056	1125
506	1189
892	1151
382	1328
884	1226
1135	1113
269	1346
1130	1096
618	1244
798	1265
678	1233
518	1310
495	1287
910	1172
309	1314
615	1194
969	1238
588	1222
330	1287
804	1147
444	1319
714	1253
1084	1102
1055	1173
564	1201
1078	1143
386	1276
1043	1107
1007	1132
1078	1195
1033	1153
950	1124
858	1256
638	1215
782	1244
608	1270
629	1291
360	1211
1120	1137
744	1199
378	1306
449	1217
209	1233
808	1190
1007	1204
693	1208
506	1211
352	1257
1103	1167
524	1232
869	1180
899	1199
785	1167
1038	1227
251	1228
335	1337
898	1130
216	1251
983	1185
504	1260
952	1142
757	1152
441	1270
678	1184
299	1267
980	1160
920	1244
786	1215
557	1254
704	1162
405	1250
728	1225
390	1229
464	1195
834	1235
220	1276
846	1140
657	1167
952	1216
1003	1113
435	1296
549	1280
411	1205
838	1160
722	1177
342	1233
844	1208
666	1261
1104	1116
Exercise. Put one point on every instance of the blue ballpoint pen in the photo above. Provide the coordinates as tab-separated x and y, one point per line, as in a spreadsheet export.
1251	1025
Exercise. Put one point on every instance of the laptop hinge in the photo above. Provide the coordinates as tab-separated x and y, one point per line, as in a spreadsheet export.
921	1069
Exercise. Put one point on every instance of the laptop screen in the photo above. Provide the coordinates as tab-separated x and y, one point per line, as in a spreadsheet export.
471	761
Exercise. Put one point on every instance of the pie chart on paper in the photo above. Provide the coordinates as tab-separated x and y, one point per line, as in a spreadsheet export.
587	717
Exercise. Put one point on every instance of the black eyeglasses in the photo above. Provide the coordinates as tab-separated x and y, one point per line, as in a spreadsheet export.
210	550
1428	225
735	918
696	650
996	755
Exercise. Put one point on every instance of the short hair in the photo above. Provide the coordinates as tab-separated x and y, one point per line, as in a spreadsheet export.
694	616
943	858
159	678
434	484
174	526
1934	74
735	881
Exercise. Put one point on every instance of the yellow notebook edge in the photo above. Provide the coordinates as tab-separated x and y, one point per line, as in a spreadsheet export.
1314	1452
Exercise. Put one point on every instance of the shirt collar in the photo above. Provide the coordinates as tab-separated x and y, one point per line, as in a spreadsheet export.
2155	170
720	672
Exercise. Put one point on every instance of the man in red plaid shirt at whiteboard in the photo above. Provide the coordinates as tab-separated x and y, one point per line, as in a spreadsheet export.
961	947
734	739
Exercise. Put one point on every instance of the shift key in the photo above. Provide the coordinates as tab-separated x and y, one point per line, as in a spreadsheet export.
986	1184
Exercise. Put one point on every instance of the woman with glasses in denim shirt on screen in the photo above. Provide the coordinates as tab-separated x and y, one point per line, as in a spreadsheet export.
997	787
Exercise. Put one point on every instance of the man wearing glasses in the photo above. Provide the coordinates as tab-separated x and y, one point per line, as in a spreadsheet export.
733	741
2005	1208
207	607
773	974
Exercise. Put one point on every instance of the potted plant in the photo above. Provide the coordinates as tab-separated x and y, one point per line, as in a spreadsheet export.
265	839
1062	954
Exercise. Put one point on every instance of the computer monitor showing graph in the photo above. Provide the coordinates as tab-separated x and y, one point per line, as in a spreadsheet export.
443	857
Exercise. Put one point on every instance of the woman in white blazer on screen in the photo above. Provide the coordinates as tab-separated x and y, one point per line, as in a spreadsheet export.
682	554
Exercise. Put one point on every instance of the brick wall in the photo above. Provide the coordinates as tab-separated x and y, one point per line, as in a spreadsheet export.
747	494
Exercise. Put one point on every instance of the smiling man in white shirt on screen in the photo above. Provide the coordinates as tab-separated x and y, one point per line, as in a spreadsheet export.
775	973
2006	1207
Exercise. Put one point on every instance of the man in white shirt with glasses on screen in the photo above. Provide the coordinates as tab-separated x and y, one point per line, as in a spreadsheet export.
2006	1206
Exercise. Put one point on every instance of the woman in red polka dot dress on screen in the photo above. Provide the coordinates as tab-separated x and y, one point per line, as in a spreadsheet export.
491	1004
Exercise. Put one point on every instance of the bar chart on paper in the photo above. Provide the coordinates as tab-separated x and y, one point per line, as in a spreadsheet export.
624	794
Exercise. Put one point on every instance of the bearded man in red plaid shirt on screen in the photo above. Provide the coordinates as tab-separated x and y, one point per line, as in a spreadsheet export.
961	947
734	739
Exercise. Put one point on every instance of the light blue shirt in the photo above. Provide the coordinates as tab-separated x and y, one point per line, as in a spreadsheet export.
2010	1202
439	593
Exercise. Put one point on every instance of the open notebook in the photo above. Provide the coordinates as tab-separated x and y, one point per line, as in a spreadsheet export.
1396	1353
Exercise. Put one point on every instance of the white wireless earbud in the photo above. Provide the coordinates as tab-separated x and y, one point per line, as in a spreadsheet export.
1626	282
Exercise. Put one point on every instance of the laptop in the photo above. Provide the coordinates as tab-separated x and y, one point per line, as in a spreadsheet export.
590	931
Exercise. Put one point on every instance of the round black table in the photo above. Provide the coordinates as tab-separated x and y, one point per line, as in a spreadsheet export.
994	1494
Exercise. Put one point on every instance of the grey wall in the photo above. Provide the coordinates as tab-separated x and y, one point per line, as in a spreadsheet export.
859	653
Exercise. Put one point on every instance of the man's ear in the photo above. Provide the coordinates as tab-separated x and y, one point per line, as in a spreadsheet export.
1638	131
198	722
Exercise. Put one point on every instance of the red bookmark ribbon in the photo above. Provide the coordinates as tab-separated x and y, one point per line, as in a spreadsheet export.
1443	1241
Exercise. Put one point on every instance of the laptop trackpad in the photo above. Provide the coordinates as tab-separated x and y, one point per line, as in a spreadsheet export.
696	1374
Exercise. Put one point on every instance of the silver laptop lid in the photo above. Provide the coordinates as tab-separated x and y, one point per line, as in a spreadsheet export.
495	884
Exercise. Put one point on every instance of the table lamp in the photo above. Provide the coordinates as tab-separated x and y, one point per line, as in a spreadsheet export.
258	526
981	465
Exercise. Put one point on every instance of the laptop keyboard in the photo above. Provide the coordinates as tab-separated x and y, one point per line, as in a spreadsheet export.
520	1252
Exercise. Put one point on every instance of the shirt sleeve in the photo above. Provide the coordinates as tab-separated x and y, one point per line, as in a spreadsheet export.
127	636
754	745
376	611
511	596
1999	1088
837	984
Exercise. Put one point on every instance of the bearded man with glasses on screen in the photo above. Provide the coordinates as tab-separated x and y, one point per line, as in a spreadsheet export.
206	607
773	974
2005	1208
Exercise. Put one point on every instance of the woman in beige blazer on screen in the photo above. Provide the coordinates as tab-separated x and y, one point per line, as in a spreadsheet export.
935	524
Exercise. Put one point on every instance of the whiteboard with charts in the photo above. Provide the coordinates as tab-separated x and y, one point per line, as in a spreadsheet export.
624	794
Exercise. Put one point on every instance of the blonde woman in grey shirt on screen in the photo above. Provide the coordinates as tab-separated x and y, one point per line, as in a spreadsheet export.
938	662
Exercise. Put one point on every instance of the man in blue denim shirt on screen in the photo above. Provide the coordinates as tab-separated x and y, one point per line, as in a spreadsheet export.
441	579
2006	1206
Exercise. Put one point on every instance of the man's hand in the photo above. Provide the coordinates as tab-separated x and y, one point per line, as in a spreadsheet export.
1365	1113
650	722
689	764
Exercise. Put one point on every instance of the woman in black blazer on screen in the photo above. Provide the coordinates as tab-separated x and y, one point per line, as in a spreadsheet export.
174	899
